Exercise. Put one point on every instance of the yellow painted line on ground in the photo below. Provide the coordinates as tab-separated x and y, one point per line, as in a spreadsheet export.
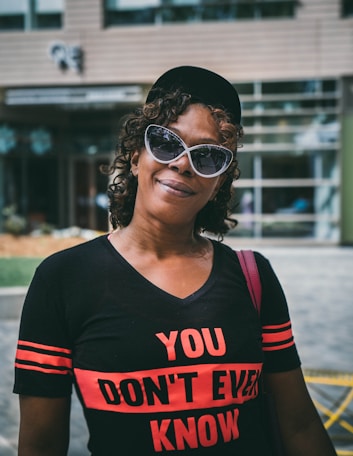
340	410
333	378
327	372
328	412
336	381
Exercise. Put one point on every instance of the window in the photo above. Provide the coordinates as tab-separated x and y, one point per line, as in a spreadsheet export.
118	12
48	14
31	14
347	8
289	183
13	14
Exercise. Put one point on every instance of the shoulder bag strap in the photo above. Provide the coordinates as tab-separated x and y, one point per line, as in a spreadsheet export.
248	264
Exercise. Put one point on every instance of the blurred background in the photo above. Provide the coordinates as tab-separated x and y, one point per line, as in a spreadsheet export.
71	69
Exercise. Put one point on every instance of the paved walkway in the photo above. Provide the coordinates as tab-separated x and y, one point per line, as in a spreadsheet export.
318	282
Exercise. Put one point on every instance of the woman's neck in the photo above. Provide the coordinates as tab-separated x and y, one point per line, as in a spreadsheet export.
163	240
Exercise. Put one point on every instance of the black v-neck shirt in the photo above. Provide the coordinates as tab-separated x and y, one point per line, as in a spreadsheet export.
156	374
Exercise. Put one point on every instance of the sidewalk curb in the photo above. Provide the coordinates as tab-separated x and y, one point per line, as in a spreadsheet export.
11	302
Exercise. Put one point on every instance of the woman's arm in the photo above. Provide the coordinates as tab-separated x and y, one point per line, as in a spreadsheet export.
302	430
44	426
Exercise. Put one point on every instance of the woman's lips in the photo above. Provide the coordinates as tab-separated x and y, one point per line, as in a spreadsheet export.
176	187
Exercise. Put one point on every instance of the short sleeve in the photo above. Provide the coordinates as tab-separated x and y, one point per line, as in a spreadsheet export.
43	364
278	345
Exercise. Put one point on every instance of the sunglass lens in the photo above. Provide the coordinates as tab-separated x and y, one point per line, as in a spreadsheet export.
163	144
209	160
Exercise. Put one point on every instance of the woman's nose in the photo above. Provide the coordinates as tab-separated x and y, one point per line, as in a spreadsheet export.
182	165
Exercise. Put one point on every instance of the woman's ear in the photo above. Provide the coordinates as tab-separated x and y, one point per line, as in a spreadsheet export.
134	163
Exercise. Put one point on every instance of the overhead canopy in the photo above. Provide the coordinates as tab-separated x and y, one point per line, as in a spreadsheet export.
74	95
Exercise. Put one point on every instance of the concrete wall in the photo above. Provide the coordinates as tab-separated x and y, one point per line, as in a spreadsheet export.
11	301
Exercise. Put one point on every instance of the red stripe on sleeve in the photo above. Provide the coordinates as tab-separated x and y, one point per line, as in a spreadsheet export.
278	347
43	369
277	337
276	327
26	343
269	338
43	358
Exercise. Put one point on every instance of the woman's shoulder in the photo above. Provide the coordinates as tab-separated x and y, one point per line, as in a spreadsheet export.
226	249
75	256
229	257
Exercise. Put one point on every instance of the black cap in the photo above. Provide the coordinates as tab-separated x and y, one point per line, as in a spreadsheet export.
203	85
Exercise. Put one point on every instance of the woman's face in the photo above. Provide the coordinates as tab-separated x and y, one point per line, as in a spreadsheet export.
173	193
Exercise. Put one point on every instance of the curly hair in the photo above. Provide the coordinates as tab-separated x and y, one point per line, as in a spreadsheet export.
214	216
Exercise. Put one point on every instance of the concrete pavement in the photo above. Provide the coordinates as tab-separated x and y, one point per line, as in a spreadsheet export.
318	282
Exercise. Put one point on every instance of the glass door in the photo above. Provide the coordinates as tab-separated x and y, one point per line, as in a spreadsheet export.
88	203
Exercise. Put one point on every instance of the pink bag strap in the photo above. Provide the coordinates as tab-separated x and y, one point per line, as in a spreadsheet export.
248	264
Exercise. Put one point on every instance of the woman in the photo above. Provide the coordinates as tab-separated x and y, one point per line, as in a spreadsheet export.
154	324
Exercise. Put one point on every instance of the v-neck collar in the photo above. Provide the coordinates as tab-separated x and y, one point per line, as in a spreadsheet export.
193	296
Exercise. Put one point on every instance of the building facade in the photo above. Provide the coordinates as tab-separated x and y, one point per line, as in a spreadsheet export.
71	69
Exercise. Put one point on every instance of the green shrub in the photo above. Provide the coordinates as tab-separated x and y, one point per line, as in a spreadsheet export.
14	223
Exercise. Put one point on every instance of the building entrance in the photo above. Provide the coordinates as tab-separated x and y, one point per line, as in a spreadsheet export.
31	188
50	175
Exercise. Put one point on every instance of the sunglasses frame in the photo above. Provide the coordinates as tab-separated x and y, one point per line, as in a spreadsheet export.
187	151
